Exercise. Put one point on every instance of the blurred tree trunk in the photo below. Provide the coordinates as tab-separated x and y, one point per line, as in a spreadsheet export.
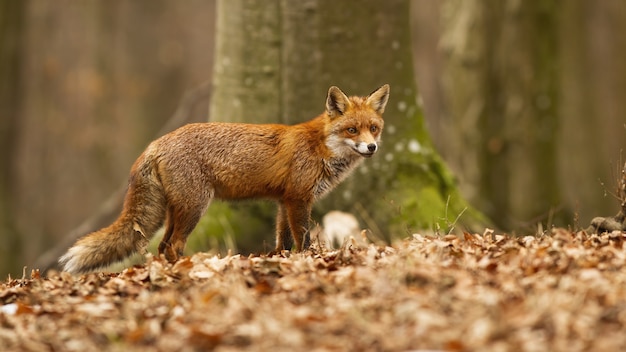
97	80
275	61
592	135
502	85
11	13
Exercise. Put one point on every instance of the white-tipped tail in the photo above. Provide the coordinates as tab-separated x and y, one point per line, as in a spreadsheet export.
71	261
104	247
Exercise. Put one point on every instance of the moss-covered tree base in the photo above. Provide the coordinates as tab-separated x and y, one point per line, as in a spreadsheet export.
280	72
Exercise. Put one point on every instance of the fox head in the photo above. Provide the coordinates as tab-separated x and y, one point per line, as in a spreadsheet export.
356	123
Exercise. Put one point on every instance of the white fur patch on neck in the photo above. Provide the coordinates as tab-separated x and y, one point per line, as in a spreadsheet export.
340	147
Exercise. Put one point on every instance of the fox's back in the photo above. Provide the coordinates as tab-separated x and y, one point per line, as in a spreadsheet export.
235	160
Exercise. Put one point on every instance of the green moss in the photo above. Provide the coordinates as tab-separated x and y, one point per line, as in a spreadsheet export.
242	227
427	198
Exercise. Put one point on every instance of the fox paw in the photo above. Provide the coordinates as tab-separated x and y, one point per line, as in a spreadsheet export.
168	251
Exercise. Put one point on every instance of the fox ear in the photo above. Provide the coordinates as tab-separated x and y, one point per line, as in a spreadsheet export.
336	102
378	99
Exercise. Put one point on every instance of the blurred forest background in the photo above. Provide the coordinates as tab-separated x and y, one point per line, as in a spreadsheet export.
525	101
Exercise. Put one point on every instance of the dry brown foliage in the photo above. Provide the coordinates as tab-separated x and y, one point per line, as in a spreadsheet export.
564	291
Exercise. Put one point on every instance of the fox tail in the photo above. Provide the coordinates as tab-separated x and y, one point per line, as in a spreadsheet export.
142	216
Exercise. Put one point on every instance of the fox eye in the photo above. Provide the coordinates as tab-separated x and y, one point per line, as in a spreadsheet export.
373	128
352	130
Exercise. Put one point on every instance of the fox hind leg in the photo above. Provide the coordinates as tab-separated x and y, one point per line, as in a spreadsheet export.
179	226
165	247
181	219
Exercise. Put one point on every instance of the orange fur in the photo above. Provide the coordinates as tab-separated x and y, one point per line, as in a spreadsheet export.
175	178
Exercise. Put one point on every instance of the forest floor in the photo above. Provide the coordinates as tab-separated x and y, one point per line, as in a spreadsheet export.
563	291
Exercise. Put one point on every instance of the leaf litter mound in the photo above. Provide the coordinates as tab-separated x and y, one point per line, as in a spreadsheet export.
565	291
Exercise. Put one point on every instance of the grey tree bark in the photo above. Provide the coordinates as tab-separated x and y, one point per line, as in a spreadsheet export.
593	111
501	81
89	86
11	28
275	61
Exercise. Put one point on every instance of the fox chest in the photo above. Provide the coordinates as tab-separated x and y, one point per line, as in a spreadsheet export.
334	171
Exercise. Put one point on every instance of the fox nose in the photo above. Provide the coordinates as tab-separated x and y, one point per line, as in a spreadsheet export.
371	147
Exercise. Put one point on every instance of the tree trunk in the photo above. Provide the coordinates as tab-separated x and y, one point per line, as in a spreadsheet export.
593	111
502	85
97	80
11	28
275	61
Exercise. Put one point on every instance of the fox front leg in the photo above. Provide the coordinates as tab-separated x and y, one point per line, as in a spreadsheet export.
298	215
283	233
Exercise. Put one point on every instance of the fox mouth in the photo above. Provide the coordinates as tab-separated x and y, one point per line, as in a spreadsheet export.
367	154
345	147
365	150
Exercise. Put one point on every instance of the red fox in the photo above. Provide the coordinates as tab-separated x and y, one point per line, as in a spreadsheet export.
176	177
